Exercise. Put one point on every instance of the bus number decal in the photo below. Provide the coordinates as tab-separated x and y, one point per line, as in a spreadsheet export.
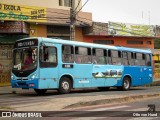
67	66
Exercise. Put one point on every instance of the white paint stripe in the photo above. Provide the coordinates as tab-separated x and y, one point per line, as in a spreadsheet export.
143	118
139	109
88	118
108	108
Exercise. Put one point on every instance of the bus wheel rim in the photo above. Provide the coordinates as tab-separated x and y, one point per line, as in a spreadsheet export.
65	85
126	84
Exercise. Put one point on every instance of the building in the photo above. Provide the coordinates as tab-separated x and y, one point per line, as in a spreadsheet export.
36	18
121	34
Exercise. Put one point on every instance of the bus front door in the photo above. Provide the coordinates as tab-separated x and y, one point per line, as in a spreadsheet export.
48	67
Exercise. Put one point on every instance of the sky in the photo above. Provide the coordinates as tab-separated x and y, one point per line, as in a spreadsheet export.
125	11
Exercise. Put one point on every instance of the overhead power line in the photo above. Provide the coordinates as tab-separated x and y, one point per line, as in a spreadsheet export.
82	7
77	5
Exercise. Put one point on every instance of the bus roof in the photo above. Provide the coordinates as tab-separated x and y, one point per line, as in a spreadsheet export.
61	41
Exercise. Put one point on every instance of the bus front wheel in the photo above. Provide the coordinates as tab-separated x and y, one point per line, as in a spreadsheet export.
40	91
126	84
64	85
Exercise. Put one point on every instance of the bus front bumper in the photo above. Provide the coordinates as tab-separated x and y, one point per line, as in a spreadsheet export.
25	84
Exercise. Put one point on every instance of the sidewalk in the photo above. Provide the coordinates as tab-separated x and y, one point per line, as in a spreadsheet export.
10	90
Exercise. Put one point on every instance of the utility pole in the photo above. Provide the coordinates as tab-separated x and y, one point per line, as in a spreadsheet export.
73	21
73	14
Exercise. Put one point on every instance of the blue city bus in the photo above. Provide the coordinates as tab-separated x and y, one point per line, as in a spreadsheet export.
65	65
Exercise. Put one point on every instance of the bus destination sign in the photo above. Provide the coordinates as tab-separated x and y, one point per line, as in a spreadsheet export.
26	43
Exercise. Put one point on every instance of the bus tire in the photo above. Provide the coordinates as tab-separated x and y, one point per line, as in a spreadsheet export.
64	85
103	88
40	91
126	84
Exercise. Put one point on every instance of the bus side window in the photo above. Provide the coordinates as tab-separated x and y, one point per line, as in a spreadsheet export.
45	54
67	53
99	56
125	58
148	60
82	55
140	59
116	57
109	57
131	60
48	56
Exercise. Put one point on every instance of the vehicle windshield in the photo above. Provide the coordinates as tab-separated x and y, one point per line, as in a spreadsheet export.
25	59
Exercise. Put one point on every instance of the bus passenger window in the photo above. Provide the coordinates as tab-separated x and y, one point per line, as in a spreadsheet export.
131	58
45	54
67	53
148	60
125	58
116	57
99	56
140	59
128	58
82	55
48	56
109	57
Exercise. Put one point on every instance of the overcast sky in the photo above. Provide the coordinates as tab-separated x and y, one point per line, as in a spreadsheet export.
126	11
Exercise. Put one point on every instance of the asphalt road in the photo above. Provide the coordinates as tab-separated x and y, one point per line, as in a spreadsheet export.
139	110
128	111
29	96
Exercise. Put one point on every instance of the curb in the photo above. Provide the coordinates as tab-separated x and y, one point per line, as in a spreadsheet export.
113	100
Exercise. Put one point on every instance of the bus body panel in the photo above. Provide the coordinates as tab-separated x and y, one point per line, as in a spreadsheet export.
140	75
147	75
81	74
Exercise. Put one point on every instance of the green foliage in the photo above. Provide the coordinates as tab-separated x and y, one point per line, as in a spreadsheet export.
157	43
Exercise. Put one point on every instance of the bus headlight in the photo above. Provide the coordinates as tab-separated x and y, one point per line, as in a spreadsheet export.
12	77
34	76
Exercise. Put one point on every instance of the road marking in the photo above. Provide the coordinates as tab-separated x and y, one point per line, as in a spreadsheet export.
108	108
139	109
88	118
143	118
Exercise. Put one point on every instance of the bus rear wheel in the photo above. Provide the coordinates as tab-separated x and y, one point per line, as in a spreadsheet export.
64	85
40	91
126	84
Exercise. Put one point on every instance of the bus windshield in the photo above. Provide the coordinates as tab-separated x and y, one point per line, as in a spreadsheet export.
25	59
